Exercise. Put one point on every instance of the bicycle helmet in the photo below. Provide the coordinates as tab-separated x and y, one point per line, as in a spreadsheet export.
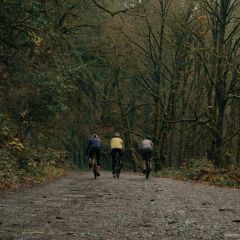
94	136
116	134
148	137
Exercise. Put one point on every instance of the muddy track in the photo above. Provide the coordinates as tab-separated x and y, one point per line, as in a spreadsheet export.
79	207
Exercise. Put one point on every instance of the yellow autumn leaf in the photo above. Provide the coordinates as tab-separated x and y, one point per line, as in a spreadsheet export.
37	40
16	144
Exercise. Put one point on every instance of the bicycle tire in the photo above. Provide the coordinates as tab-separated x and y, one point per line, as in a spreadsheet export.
147	172
117	166
94	167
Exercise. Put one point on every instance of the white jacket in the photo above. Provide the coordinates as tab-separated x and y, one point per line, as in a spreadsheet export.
146	144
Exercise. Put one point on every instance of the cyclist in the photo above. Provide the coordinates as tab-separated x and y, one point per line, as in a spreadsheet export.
146	150
94	147
117	146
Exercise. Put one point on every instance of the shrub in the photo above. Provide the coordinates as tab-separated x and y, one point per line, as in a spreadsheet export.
204	170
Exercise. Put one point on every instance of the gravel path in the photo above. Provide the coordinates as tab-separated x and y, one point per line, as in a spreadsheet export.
79	207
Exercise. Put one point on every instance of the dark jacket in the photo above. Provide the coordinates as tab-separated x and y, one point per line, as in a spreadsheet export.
93	143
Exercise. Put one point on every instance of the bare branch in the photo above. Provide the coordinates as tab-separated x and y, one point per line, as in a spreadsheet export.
206	68
108	11
119	127
233	96
231	137
231	34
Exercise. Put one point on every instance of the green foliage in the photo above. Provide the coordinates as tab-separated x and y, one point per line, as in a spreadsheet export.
5	131
229	176
7	165
31	165
197	169
204	170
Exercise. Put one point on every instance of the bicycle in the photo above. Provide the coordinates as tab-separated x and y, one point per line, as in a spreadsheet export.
94	166
148	167
118	165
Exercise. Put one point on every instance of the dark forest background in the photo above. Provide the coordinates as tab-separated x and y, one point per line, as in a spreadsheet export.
165	68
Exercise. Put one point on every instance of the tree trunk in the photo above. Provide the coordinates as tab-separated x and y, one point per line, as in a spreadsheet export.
218	146
130	155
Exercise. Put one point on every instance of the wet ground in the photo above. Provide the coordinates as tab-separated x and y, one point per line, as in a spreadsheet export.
79	207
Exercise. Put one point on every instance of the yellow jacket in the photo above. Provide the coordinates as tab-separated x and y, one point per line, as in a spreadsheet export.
116	142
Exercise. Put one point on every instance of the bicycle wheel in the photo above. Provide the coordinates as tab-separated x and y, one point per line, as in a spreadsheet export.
147	172
118	166
94	163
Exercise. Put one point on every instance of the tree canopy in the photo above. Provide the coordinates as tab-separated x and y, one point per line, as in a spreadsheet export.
169	69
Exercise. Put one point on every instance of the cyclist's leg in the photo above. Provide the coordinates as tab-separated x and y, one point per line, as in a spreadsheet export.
95	155
118	160
121	157
113	153
150	159
90	155
98	161
143	160
98	157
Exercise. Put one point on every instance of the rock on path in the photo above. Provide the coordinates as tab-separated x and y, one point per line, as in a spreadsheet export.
79	207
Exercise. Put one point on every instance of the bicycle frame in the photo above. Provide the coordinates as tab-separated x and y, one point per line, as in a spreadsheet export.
148	167
94	166
117	165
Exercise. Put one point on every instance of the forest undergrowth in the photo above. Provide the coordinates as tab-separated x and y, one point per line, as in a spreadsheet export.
204	171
